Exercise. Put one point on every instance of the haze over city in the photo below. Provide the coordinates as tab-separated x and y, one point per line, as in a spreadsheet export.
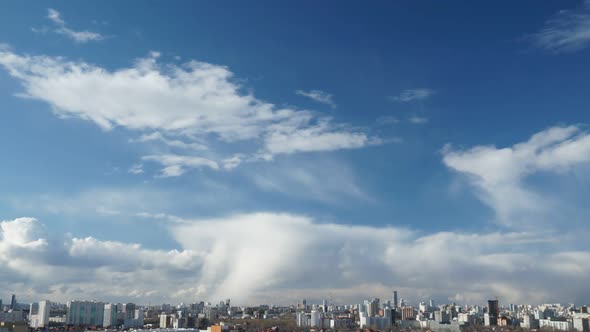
273	151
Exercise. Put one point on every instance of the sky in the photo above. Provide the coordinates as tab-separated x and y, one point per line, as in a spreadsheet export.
272	151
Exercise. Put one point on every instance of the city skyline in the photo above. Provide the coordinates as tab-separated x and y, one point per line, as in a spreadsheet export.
269	152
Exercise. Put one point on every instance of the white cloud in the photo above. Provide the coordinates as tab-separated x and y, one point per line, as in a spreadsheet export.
387	120
176	165
175	143
186	106
318	96
224	258
412	95
77	36
417	119
568	30
319	137
136	169
500	174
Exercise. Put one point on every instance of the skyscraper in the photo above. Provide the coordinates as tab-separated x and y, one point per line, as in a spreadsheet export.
493	311
13	302
395	304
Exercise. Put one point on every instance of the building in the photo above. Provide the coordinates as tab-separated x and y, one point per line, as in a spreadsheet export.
315	319
372	307
441	316
466	318
395	299
13	303
85	313
128	311
12	316
556	324
376	322
408	313
493	311
165	321
581	324
529	322
110	315
136	320
39	314
303	319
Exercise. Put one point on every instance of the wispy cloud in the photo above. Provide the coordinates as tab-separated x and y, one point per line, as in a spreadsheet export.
136	169
319	96
417	119
61	28
176	165
566	31
387	120
412	95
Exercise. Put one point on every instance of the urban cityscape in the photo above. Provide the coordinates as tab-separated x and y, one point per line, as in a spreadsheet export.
294	166
393	314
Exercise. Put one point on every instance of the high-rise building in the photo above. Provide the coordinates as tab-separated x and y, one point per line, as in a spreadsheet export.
315	319
110	315
395	304
129	311
39	314
13	302
493	311
89	313
372	307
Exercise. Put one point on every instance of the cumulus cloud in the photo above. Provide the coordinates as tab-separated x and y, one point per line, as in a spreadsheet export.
252	257
500	175
566	31
318	96
409	95
182	106
61	28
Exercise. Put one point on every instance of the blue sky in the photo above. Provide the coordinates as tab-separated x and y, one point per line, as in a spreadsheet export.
198	131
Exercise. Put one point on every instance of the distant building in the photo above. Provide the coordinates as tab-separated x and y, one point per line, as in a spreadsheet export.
86	313
110	315
581	324
12	316
395	304
555	324
39	314
529	322
13	303
408	313
493	312
316	319
441	316
128	311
